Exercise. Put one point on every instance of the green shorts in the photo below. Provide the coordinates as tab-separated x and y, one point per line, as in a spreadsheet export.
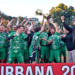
2	53
25	54
44	52
54	54
63	51
17	56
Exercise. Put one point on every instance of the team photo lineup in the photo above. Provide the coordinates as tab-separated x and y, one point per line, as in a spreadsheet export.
29	43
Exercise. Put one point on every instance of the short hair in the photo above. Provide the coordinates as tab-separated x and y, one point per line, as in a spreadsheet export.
53	28
37	29
19	26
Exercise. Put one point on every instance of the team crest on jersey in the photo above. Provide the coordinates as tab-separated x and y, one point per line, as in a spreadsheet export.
17	38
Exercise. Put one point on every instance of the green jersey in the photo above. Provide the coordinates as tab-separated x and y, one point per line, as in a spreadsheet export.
45	36
35	41
7	42
25	44
2	40
61	42
56	41
16	42
11	31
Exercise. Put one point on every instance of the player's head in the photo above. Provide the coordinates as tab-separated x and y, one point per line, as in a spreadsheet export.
5	29
73	22
44	28
60	31
37	29
1	28
14	27
25	30
53	31
22	29
19	29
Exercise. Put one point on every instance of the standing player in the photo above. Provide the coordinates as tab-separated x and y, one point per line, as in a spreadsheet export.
7	42
16	45
55	46
44	46
25	47
33	49
2	44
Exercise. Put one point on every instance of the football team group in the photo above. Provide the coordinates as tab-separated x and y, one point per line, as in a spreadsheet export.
27	43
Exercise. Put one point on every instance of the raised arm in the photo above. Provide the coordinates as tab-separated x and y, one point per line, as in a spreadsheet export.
55	25
67	27
42	20
42	29
42	37
32	24
48	23
10	37
9	23
17	21
23	22
27	22
2	21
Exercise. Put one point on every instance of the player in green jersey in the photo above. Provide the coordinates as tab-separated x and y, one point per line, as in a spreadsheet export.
44	46
33	49
2	44
7	42
44	42
16	45
25	47
55	45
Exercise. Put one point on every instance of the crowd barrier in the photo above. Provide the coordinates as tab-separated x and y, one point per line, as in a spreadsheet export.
38	69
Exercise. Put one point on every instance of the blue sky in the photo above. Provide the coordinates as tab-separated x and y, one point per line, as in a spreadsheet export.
28	7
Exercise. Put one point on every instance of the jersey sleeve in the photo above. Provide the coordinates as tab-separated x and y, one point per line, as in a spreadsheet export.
23	35
11	34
